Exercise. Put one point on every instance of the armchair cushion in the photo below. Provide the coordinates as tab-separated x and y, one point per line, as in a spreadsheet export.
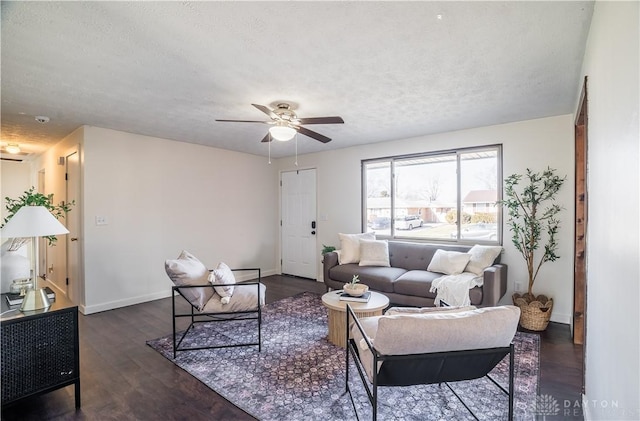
222	275
245	298
370	324
188	270
437	331
398	311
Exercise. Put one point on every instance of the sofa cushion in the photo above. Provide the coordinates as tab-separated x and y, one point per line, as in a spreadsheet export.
449	262
416	256
377	278
481	258
350	246
374	253
416	282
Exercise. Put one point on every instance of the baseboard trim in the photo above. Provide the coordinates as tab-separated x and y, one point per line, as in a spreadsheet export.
111	305
158	295
561	318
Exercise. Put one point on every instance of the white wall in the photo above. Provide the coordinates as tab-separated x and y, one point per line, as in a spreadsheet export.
160	197
612	353
15	179
535	144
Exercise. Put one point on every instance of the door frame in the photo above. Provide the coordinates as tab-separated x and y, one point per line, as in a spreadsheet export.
77	284
316	267
580	274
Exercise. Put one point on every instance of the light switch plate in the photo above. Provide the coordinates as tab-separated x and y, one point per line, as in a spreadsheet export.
101	220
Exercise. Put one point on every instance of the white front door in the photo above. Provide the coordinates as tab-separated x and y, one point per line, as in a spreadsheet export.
72	220
299	223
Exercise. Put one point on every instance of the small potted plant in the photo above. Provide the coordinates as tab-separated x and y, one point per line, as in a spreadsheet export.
354	288
31	198
327	249
533	223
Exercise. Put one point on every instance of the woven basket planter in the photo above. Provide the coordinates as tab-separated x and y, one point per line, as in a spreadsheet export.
535	312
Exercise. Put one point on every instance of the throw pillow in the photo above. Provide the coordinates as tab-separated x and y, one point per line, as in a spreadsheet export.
188	270
481	258
350	246
222	275
448	262
374	253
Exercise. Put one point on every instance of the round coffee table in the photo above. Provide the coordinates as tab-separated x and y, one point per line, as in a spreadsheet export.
337	316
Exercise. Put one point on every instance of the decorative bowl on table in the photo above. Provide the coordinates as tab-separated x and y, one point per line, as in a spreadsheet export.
355	290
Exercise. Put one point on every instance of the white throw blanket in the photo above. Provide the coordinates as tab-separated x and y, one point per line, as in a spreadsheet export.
454	289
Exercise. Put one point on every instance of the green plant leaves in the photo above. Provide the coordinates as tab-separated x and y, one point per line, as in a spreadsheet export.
31	198
530	219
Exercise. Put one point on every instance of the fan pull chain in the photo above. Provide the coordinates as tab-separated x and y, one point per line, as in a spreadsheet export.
296	149
270	139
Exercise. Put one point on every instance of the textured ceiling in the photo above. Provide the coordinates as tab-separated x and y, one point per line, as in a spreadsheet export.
391	69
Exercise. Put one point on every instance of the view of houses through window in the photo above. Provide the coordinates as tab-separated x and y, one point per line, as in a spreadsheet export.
419	196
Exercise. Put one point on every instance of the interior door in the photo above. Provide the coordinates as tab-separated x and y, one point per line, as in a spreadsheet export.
298	222
72	220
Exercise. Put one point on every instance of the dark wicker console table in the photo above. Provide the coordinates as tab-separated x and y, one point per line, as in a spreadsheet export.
40	350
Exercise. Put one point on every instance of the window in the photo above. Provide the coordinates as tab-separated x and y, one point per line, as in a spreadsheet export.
446	196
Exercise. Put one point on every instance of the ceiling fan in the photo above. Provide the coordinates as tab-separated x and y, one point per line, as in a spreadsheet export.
285	123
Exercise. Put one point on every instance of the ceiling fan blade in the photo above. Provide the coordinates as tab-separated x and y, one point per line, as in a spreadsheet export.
267	111
321	120
267	138
244	121
315	135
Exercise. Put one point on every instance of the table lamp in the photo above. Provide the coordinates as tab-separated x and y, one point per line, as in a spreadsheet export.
33	221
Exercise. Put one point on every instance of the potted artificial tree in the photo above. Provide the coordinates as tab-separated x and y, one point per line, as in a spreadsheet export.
14	264
533	223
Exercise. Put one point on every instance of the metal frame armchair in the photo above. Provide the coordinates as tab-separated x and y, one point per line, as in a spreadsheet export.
378	367
245	304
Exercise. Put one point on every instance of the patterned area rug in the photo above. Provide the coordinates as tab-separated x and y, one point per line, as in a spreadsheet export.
299	375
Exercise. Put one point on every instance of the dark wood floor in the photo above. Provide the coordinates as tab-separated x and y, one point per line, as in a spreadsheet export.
124	379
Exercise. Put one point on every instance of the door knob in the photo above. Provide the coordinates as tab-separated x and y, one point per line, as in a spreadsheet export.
74	239
313	233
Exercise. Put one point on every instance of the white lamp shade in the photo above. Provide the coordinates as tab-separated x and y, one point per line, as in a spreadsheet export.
282	133
32	221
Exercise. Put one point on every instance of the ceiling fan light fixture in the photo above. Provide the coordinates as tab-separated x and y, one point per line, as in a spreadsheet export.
282	133
12	148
